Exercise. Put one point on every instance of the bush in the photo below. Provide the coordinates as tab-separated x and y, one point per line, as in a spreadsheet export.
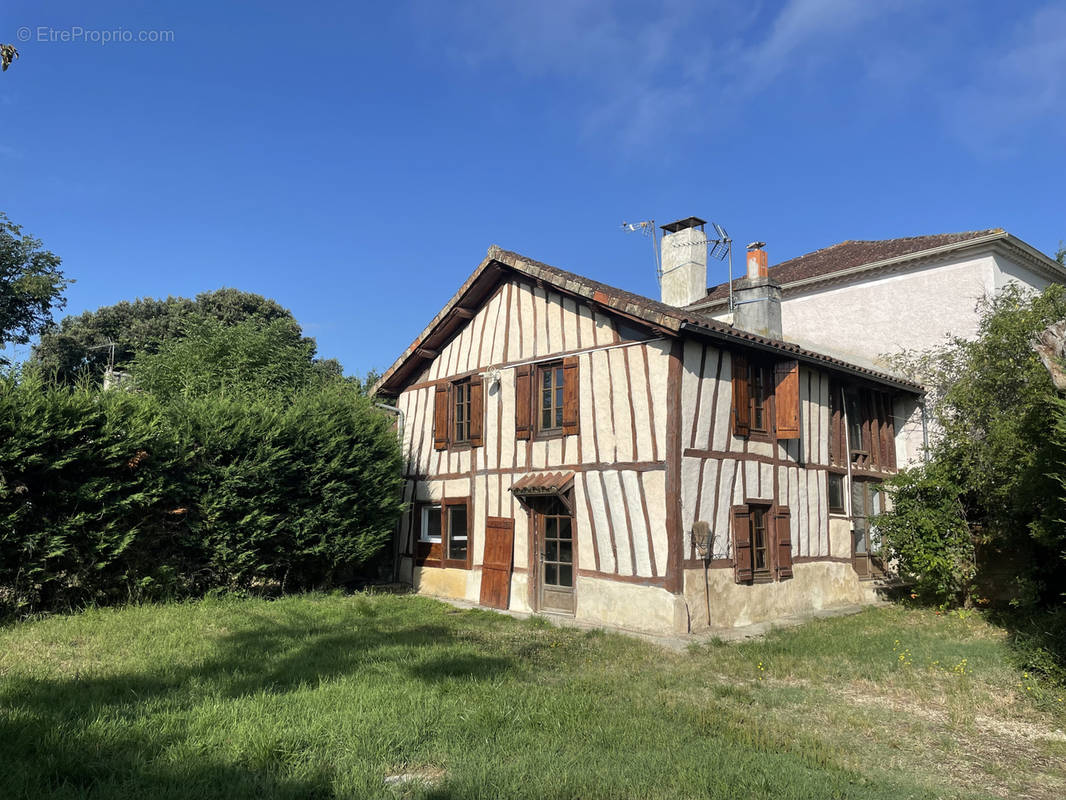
87	481
110	496
927	535
994	465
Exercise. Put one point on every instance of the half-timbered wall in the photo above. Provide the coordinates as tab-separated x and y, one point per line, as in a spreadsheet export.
618	456
720	470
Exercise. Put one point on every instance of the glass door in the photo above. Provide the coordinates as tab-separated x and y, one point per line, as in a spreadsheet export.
555	531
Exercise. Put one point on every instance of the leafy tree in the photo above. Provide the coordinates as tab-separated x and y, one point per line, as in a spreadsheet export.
249	358
993	463
31	285
142	326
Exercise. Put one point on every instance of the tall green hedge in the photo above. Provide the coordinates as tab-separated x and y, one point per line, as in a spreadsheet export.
111	496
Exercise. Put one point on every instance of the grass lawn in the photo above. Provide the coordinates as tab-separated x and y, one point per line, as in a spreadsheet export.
323	696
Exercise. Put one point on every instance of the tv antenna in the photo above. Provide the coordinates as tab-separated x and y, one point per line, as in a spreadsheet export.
110	344
647	228
720	248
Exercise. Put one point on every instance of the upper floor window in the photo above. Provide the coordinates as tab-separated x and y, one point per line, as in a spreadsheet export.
765	397
461	412
458	413
862	428
546	398
551	380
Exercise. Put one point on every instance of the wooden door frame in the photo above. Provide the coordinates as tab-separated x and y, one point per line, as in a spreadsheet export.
535	544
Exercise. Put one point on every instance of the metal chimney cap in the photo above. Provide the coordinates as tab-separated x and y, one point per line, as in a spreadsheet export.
682	224
757	245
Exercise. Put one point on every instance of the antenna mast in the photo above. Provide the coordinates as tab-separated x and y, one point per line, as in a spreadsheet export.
647	228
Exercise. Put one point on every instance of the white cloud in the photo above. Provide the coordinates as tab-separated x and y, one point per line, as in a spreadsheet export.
635	74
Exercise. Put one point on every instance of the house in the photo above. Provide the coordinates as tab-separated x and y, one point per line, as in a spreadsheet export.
572	448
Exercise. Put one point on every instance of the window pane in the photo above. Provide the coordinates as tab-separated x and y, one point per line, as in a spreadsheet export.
858	499
566	552
551	550
566	576
559	416
564	527
457	532
551	574
430	524
836	493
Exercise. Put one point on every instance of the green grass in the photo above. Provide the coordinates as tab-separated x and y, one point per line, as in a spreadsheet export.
323	696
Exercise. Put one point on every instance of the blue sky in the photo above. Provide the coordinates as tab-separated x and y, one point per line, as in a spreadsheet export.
354	161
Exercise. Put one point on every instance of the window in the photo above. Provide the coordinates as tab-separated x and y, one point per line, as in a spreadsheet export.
461	412
762	543
760	398
862	430
429	530
760	549
457	533
444	534
836	493
546	399
458	413
550	380
765	398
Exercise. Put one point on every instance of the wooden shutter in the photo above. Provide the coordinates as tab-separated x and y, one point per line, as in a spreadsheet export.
440	416
496	565
571	384
787	399
782	522
523	399
477	411
742	563
836	426
741	396
890	430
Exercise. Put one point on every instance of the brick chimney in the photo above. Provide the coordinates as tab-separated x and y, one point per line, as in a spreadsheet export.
684	262
757	298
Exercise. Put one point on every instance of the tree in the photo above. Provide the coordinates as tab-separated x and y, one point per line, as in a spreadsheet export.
31	285
251	358
144	325
993	465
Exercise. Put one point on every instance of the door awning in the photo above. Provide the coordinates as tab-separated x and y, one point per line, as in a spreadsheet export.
542	484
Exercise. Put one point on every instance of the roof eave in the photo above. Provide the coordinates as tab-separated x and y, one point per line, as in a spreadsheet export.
806	356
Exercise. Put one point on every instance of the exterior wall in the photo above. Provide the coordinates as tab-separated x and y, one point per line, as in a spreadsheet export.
913	310
618	457
720	470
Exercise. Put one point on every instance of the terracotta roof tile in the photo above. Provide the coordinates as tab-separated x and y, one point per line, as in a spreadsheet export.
542	483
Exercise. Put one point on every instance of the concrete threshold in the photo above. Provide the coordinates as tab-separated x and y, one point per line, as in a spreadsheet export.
678	642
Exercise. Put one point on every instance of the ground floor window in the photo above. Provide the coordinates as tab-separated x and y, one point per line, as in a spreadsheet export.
444	533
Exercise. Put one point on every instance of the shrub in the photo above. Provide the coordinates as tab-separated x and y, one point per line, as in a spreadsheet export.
110	496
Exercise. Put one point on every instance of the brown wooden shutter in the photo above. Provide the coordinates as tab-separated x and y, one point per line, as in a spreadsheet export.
477	411
787	399
523	399
496	565
440	416
836	426
742	563
890	428
571	385
782	522
741	396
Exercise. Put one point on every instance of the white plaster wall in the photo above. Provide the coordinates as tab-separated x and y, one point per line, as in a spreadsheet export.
911	310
